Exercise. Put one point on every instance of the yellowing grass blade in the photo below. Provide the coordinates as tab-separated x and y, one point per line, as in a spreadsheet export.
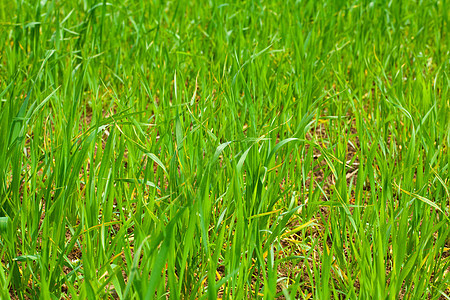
298	228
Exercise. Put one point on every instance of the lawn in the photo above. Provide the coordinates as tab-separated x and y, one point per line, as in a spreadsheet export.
224	149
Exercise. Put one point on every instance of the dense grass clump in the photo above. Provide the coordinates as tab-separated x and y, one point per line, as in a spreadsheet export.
224	149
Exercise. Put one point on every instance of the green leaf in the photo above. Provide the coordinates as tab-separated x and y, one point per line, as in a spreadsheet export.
157	161
3	224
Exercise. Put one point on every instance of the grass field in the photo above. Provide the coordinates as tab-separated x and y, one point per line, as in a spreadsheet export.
224	150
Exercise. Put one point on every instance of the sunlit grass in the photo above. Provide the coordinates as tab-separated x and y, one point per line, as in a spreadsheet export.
211	149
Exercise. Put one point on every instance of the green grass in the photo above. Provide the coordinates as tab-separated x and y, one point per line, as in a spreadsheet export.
212	149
